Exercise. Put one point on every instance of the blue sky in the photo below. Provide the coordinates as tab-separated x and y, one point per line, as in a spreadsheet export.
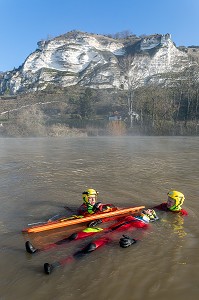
24	22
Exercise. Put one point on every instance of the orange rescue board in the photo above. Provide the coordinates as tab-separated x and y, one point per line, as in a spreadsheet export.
65	222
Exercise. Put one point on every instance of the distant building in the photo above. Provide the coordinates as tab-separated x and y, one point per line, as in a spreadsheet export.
115	117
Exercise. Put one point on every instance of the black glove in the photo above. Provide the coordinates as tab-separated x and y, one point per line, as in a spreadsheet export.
126	241
97	207
95	223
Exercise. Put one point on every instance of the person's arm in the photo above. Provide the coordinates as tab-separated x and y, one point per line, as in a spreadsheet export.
84	210
99	207
162	206
183	212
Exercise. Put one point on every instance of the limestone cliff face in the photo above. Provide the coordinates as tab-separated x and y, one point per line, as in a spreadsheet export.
96	61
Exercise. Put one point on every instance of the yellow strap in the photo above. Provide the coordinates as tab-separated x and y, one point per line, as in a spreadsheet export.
71	218
89	229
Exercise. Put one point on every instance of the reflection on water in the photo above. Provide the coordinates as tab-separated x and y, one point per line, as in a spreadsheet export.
40	176
178	227
175	224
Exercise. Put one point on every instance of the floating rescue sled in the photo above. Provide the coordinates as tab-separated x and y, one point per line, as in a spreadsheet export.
77	220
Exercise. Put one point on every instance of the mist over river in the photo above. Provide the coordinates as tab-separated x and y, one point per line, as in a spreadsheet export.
39	176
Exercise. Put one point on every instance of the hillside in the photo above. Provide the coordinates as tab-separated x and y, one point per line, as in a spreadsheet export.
99	62
81	80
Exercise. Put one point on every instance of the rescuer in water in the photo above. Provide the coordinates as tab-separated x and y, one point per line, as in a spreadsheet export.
173	204
90	204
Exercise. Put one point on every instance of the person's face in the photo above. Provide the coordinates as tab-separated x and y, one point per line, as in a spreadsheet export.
92	199
170	202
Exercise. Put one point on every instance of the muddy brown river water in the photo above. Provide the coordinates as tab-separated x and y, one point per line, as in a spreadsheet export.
39	176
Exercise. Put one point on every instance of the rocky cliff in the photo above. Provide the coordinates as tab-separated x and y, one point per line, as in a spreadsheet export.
98	62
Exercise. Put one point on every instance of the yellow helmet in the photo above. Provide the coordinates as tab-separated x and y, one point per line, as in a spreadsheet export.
178	197
149	215
88	193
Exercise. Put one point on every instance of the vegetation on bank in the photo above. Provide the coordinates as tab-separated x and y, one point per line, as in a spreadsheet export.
72	111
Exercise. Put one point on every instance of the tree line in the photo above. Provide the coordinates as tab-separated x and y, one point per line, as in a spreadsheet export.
156	110
148	110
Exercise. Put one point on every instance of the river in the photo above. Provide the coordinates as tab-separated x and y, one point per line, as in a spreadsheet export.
39	176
